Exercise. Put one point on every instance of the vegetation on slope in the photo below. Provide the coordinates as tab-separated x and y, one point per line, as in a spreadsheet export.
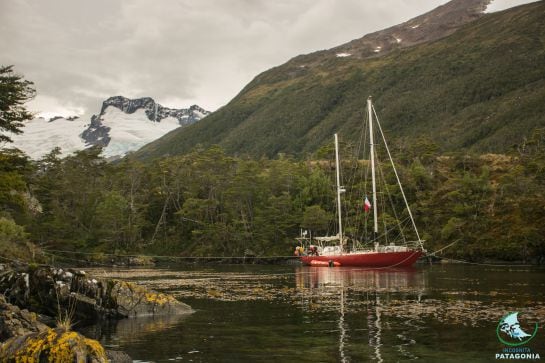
480	89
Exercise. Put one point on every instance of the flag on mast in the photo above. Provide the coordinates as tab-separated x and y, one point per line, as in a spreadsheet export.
367	205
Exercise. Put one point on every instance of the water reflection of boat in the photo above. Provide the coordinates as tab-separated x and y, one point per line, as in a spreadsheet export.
386	279
376	285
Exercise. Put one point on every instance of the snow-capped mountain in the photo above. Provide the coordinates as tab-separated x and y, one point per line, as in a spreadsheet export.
123	125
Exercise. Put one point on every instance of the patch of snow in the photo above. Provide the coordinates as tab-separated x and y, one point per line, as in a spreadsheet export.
132	131
398	40
415	26
499	5
342	55
198	113
40	136
377	49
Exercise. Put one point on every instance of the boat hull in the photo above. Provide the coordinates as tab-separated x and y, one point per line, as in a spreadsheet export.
367	259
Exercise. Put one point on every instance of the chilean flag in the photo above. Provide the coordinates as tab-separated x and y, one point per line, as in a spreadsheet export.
367	205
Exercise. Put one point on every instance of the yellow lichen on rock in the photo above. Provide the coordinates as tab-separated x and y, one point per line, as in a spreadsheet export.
95	347
158	298
54	346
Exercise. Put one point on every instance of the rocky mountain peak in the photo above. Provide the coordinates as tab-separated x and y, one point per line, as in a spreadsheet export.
99	134
154	111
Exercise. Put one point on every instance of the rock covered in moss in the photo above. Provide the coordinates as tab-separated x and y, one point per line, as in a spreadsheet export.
52	345
45	288
135	300
16	322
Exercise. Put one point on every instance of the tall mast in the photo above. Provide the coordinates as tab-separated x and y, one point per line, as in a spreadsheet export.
339	190
372	157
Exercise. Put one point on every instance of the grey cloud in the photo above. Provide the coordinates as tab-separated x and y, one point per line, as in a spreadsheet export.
80	52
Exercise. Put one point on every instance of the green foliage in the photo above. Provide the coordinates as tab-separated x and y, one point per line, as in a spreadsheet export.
316	219
15	169
112	212
14	243
14	92
70	191
10	232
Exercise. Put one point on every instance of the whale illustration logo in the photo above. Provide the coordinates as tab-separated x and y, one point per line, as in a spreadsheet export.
510	326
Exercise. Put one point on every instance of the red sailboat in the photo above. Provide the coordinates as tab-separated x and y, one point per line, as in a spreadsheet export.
335	251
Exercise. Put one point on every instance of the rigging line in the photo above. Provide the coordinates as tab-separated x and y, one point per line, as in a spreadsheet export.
485	264
382	235
163	256
444	248
76	260
398	181
382	198
399	237
11	259
469	262
361	143
181	257
391	202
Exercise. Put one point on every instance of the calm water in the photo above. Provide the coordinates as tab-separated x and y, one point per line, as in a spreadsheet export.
445	313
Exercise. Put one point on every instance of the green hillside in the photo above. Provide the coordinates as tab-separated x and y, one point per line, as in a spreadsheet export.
481	89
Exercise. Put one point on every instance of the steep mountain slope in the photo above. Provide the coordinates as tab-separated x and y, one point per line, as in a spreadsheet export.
482	87
122	125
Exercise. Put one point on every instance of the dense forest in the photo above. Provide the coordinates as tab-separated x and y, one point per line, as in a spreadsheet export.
207	203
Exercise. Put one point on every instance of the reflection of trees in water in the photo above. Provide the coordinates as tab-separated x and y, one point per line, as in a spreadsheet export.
133	329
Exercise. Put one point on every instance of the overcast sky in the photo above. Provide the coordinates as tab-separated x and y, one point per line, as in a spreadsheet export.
179	52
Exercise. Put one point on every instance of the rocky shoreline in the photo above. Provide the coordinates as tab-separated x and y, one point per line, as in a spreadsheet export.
39	303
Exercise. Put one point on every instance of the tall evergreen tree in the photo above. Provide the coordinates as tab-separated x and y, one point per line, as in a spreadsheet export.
14	92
